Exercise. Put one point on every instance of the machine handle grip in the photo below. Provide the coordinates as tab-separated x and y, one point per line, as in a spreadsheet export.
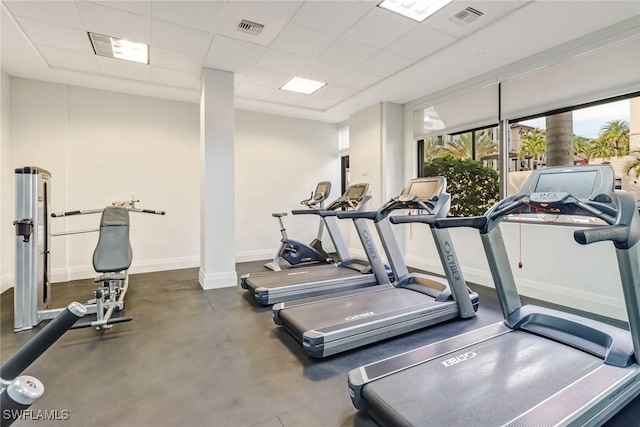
473	222
365	215
18	397
406	219
151	211
41	341
61	214
616	233
304	212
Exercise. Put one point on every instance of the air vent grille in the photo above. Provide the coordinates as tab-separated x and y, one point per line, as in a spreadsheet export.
466	16
250	27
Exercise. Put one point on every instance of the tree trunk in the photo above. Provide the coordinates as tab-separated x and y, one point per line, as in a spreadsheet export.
560	139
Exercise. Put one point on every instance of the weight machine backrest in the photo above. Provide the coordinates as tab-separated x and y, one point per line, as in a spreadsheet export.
113	252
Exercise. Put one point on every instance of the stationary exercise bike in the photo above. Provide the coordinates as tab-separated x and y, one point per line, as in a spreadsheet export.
295	252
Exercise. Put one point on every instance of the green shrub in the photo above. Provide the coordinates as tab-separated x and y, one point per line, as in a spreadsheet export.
473	187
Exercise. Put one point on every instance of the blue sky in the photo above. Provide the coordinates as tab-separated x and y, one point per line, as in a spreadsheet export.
588	121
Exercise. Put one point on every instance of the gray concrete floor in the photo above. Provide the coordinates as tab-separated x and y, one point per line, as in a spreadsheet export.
205	358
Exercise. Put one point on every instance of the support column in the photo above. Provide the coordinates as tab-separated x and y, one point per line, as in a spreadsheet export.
217	175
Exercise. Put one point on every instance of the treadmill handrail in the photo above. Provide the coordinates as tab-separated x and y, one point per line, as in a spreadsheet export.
429	219
352	215
478	222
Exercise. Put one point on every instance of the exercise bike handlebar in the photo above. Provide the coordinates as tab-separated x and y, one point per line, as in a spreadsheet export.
34	348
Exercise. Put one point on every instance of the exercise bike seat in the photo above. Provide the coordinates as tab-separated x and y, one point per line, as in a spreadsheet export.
113	254
279	215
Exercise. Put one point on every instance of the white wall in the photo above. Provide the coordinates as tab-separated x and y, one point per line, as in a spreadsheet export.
279	162
6	188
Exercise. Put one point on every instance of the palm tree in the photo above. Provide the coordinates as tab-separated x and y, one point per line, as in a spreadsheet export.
634	165
582	146
431	148
533	145
617	133
602	148
462	147
559	139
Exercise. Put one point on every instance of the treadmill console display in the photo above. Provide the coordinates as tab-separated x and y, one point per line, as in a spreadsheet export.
356	192
425	189
579	184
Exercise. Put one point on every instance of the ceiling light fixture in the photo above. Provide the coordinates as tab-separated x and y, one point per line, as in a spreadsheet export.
418	10
300	85
113	47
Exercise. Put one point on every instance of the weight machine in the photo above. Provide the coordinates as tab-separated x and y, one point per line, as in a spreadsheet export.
112	257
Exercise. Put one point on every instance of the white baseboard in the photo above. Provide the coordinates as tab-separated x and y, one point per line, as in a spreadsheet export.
570	297
257	255
6	282
217	280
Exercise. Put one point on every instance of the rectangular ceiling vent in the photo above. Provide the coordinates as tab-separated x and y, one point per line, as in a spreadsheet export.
250	27
466	16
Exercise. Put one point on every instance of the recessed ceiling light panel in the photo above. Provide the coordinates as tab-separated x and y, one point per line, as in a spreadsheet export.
300	85
418	10
113	47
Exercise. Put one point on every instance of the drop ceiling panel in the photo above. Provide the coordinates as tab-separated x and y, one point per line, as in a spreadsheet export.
247	90
181	39
173	77
420	42
69	60
287	97
379	28
317	103
124	69
174	60
302	41
200	15
266	78
281	62
115	23
331	17
54	12
42	33
237	51
347	53
139	7
384	64
357	80
337	93
321	71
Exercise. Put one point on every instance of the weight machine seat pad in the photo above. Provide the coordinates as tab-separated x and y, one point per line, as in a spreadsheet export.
113	252
108	277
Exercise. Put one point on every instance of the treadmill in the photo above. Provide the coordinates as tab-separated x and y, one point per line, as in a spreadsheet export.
270	287
335	323
538	367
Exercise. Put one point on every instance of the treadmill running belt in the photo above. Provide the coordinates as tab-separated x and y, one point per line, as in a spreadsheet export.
500	379
300	276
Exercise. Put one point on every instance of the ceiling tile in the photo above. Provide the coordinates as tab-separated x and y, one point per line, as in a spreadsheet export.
318	103
332	17
238	70
124	69
181	39
337	93
322	71
201	15
139	7
173	77
288	97
347	53
54	12
420	43
302	41
42	33
173	60
379	28
491	10
238	51
384	64
274	15
266	78
115	23
247	90
69	60
281	62
357	80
